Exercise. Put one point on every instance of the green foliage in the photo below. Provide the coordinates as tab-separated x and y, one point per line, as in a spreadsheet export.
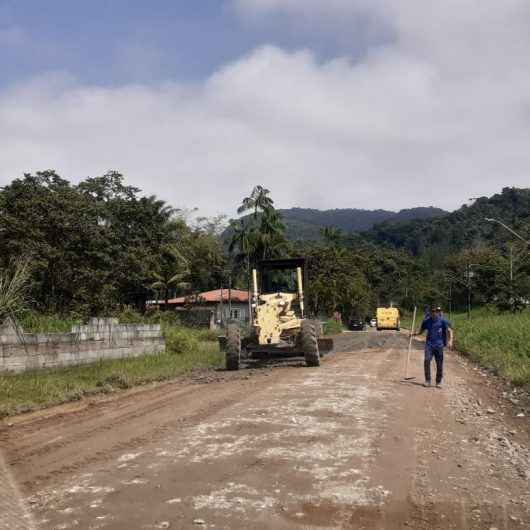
306	224
336	283
33	322
14	286
461	229
180	340
332	327
173	269
99	244
498	342
260	235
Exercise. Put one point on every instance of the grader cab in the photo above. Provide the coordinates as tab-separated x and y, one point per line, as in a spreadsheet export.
279	320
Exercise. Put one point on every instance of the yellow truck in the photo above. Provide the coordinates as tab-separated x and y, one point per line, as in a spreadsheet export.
387	318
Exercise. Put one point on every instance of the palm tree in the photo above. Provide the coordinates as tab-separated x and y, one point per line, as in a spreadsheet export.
173	271
271	233
332	235
244	240
258	200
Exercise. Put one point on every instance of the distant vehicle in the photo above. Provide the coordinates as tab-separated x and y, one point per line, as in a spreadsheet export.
387	318
356	324
373	323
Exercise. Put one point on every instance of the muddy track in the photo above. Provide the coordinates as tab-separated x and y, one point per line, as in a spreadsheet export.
278	445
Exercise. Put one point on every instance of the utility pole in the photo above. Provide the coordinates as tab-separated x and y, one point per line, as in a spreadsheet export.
450	299
518	236
511	264
469	276
221	306
230	294
468	291
249	294
511	230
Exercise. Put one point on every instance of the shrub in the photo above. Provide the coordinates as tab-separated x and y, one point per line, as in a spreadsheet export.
206	334
14	286
181	340
332	327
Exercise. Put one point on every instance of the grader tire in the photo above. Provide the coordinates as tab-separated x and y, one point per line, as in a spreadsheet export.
309	343
233	347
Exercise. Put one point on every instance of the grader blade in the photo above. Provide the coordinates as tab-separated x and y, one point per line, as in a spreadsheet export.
325	344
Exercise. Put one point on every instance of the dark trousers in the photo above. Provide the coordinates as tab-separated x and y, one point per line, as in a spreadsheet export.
438	354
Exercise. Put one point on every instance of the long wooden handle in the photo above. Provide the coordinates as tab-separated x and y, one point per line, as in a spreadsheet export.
410	341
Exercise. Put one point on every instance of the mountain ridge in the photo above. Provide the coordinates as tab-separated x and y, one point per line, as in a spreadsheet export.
306	223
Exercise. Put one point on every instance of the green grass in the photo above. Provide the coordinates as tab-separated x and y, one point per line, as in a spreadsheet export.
186	350
332	327
32	322
499	342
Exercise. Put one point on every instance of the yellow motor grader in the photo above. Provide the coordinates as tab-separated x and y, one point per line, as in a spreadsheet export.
279	323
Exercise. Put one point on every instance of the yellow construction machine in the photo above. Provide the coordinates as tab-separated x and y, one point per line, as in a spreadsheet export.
279	321
387	318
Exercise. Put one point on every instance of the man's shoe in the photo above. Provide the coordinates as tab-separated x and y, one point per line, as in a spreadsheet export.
438	385
427	384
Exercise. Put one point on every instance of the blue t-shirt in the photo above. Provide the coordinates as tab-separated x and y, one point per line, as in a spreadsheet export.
436	331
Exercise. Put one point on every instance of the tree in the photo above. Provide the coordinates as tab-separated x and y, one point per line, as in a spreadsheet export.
337	282
92	246
270	235
261	235
173	269
332	235
258	200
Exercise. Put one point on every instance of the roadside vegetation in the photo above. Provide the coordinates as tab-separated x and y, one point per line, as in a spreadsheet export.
499	342
186	350
332	327
99	247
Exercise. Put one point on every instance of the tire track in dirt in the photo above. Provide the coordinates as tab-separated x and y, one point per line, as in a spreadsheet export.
45	446
345	446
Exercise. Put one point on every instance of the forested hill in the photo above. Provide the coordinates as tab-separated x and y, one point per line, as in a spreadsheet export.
306	223
463	228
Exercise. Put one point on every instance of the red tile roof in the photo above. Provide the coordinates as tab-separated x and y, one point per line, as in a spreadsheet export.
210	297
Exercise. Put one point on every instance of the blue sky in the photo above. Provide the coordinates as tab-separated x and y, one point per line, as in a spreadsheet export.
110	42
120	41
330	104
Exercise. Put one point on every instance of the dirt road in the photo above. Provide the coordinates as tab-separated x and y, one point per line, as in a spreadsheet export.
347	445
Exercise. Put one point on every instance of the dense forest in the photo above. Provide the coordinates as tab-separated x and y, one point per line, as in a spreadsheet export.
99	244
306	223
96	246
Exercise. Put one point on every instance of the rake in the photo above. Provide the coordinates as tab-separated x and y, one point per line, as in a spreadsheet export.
407	378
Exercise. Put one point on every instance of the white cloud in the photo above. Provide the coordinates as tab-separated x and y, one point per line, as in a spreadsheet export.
438	115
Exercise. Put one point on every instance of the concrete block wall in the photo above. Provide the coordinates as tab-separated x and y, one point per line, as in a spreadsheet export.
101	338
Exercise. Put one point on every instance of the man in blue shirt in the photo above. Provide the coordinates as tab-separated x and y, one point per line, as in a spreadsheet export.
439	335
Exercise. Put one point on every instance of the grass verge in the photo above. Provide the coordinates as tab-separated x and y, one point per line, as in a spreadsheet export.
186	350
498	342
332	327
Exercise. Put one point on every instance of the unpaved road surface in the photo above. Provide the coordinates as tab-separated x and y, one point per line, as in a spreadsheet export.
348	445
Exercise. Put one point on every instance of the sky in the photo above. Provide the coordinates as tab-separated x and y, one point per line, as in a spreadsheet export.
328	103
